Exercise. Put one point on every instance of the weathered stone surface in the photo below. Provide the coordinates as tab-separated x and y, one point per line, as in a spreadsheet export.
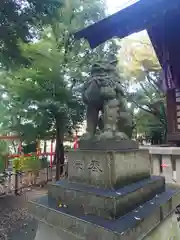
108	145
167	171
108	204
168	229
134	225
112	169
103	93
46	232
155	161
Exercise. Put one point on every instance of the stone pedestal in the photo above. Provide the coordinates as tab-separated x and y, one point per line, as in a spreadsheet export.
112	169
108	195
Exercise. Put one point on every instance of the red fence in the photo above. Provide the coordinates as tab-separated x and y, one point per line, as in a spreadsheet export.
30	155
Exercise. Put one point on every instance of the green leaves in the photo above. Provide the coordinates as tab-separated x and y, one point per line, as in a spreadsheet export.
140	68
20	21
45	92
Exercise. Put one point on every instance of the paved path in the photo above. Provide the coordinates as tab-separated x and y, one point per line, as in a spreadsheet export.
15	222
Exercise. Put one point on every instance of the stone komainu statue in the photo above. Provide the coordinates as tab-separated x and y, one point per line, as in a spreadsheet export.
105	101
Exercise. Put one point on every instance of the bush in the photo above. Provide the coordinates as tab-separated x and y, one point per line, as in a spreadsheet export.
31	163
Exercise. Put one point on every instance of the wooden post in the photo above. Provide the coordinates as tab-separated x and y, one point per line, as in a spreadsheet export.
173	116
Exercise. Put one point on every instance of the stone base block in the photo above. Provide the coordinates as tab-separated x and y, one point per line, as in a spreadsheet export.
168	229
134	225
113	169
108	204
46	232
108	145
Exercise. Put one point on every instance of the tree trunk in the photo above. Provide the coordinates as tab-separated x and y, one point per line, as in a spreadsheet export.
59	151
45	146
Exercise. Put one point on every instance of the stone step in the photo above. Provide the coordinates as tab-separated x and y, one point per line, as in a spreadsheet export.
134	225
108	169
108	204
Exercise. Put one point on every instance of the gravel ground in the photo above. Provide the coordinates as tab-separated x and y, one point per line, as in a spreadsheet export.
15	222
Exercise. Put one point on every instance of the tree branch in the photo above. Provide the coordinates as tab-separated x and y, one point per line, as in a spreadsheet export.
153	83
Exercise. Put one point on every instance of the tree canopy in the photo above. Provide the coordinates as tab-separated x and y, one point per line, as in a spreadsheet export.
43	97
141	74
20	21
